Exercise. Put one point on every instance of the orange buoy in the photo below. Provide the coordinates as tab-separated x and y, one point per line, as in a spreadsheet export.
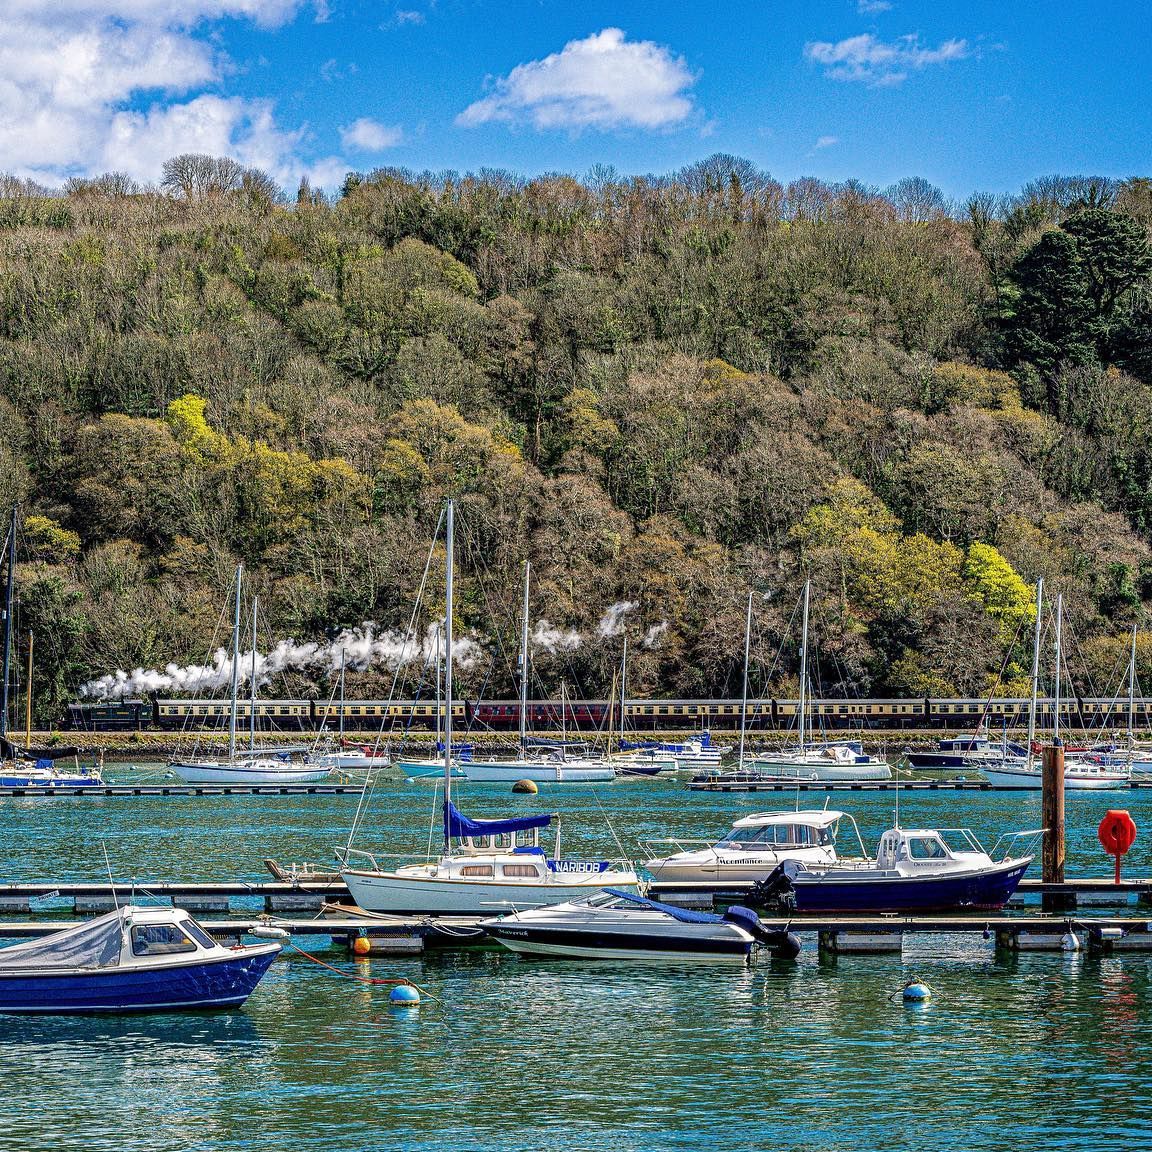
361	945
1117	833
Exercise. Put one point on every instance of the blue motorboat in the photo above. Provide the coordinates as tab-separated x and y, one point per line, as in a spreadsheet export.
915	870
131	960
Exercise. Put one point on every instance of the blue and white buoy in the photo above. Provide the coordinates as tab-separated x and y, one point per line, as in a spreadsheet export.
404	996
916	992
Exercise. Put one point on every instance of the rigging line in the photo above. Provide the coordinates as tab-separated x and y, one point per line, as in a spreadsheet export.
409	637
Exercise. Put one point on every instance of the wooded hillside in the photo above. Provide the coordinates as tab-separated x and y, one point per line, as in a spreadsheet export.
661	390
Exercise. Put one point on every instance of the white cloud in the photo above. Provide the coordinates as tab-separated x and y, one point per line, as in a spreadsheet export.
868	7
827	142
367	135
605	82
409	16
73	74
872	61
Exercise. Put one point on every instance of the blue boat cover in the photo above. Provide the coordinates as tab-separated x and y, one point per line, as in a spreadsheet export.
681	914
456	824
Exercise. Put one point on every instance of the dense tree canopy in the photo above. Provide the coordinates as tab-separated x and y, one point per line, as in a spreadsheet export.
663	391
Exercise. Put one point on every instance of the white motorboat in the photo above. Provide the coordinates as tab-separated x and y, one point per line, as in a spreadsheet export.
252	766
352	757
485	865
1079	775
751	850
616	925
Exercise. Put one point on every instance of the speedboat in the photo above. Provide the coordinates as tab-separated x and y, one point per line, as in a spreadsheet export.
915	870
753	847
131	960
487	865
618	925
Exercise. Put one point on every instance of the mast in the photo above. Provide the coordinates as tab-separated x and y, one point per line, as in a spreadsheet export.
804	664
28	702
1056	701
1035	671
623	687
8	590
235	666
524	662
436	631
449	576
1131	697
343	656
252	686
744	690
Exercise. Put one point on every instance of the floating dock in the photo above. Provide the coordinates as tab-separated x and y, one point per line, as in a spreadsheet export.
320	789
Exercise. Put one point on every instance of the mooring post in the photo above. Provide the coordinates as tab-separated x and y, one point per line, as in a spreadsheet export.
1052	804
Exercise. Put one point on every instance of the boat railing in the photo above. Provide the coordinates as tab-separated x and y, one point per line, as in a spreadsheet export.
680	844
345	857
1017	844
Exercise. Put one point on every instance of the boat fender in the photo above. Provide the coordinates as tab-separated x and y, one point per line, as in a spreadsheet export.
268	932
1070	942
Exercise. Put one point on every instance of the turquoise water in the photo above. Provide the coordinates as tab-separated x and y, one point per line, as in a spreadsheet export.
1029	1050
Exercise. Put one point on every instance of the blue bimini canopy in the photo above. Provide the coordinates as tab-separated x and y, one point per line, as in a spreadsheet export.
684	915
456	824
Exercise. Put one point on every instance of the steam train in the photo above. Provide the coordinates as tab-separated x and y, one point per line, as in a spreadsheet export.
309	715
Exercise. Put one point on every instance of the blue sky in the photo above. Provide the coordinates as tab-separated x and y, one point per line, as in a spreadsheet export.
972	96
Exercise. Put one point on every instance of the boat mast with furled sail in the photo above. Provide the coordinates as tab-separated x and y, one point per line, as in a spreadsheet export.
485	865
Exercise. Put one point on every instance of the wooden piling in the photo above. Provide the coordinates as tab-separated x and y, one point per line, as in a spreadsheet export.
1052	805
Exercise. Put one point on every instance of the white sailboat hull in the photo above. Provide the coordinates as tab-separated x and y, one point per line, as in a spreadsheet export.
247	772
417	890
818	769
1075	780
539	771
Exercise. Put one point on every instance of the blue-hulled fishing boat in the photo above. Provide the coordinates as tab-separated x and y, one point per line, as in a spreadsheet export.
131	960
915	870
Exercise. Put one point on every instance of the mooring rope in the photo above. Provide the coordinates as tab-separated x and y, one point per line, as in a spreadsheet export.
364	979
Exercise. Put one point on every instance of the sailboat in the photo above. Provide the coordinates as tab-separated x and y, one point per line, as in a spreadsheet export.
485	865
253	766
544	763
26	768
1025	772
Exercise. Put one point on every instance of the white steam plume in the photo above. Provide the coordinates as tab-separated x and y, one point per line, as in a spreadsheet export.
612	622
653	635
552	640
360	648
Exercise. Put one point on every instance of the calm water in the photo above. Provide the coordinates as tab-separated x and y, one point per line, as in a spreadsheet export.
812	1054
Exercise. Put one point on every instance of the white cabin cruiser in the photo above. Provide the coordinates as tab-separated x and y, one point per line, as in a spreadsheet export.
831	762
753	847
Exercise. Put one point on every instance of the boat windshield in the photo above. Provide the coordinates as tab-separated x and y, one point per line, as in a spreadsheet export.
926	848
769	837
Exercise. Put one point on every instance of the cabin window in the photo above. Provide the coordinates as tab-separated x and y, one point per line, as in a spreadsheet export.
920	848
159	940
198	934
478	871
529	870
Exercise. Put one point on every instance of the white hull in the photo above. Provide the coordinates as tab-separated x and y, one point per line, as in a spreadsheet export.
1029	779
247	772
351	761
575	952
738	870
539	771
818	769
400	892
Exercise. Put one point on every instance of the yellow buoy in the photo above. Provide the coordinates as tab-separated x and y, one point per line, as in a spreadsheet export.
528	786
361	945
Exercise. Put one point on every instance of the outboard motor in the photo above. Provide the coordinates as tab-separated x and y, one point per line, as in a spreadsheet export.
785	945
775	893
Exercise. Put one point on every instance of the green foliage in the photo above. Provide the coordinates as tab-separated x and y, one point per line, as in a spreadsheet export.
661	390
